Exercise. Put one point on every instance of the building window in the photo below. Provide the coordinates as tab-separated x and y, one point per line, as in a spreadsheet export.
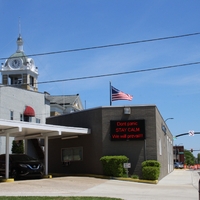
37	120
31	81
27	118
21	117
11	115
72	154
160	147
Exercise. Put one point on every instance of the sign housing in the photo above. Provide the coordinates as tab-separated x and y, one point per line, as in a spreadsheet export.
127	130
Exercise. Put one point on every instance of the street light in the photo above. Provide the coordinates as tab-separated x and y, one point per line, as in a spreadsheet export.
169	118
163	125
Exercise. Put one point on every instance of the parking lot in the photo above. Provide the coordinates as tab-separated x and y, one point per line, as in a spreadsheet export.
180	184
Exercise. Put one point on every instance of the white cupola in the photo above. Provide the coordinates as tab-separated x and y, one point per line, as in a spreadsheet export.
19	70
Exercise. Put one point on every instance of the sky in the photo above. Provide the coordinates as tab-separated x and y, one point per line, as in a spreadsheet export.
54	26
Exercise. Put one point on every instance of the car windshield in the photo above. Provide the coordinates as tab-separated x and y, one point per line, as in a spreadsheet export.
21	158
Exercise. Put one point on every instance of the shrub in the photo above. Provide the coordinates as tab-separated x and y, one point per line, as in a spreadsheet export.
150	170
151	163
17	146
124	176
113	165
135	176
150	173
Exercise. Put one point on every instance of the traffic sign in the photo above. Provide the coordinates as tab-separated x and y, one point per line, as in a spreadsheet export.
191	133
127	165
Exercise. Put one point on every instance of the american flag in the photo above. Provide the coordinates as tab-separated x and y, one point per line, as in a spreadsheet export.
119	95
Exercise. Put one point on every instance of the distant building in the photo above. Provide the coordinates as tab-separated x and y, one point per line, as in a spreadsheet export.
20	99
19	96
62	104
178	153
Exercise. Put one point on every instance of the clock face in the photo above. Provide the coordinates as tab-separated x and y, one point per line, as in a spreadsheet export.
15	63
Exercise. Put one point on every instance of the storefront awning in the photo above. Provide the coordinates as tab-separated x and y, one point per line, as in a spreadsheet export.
29	111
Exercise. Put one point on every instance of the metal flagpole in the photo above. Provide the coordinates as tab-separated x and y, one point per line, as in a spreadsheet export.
110	95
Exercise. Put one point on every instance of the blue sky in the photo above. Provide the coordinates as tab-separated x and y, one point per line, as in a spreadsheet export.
50	26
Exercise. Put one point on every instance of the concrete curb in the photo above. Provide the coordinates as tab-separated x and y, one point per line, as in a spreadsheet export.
12	179
47	176
138	180
7	180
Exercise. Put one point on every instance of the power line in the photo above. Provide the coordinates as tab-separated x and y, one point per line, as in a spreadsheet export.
121	73
111	45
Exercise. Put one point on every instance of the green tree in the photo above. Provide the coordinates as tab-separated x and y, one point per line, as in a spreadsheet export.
17	146
189	158
198	158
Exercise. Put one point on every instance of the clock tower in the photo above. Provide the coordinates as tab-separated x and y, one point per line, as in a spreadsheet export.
19	70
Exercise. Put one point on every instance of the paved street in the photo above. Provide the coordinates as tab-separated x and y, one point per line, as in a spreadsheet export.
180	184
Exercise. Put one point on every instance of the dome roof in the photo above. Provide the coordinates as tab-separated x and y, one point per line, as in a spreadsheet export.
18	55
26	62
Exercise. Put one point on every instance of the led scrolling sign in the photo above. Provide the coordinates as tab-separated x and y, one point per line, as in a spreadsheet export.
127	130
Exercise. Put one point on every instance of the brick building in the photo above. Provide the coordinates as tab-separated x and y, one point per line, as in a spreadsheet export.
178	154
138	132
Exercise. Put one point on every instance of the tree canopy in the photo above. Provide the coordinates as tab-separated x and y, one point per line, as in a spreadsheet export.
189	158
17	146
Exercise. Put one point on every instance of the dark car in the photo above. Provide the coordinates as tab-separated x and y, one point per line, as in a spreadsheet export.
21	166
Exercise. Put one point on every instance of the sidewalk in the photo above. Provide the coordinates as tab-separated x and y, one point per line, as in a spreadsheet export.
180	184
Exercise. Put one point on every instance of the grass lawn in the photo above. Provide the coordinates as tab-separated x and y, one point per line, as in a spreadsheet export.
57	198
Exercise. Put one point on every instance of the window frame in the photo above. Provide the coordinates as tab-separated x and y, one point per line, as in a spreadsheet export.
11	115
72	154
21	117
37	120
